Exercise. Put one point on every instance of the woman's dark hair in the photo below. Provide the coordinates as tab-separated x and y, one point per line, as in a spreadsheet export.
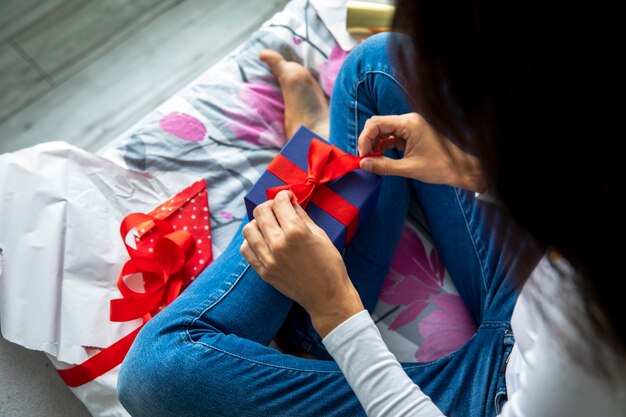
531	88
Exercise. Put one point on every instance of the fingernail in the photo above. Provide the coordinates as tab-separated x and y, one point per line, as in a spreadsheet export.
366	164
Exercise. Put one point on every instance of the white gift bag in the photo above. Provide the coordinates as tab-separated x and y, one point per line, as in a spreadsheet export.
60	214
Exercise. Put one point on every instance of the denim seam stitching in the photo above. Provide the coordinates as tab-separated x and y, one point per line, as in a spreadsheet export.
355	138
485	325
196	343
473	238
494	324
379	72
360	81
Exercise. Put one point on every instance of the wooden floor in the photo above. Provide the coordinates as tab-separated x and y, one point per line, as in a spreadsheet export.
84	71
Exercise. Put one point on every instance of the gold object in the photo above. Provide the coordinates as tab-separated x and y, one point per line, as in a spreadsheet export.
367	17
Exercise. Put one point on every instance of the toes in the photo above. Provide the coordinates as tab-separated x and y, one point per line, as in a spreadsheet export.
288	74
274	60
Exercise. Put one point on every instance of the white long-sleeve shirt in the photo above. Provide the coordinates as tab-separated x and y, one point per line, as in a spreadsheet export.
542	380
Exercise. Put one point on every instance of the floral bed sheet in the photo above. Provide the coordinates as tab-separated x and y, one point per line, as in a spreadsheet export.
228	125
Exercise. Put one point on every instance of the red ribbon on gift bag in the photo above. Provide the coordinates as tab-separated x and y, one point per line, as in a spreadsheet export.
326	163
168	254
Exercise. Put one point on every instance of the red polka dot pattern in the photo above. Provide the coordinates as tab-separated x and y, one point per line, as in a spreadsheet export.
187	210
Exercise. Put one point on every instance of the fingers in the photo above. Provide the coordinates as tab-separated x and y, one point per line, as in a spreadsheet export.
391	142
377	131
267	223
291	216
304	216
294	221
254	247
382	165
276	223
285	212
249	255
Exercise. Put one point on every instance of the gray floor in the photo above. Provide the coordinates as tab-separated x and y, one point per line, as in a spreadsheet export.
29	386
84	71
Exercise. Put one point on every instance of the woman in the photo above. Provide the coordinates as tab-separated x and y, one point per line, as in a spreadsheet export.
516	90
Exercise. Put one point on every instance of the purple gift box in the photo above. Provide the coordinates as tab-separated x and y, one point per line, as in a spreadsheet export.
345	202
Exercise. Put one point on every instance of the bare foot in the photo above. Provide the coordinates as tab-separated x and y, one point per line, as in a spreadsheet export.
305	102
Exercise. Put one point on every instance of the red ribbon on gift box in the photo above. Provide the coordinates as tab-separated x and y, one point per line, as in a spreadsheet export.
168	260
326	163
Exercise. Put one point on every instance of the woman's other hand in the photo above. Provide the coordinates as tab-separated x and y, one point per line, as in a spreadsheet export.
296	257
428	156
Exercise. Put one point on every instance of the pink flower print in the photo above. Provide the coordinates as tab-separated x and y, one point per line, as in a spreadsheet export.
413	278
330	68
227	215
183	126
262	122
444	329
297	40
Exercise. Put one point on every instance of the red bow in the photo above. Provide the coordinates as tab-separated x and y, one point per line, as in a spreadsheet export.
326	163
163	282
162	273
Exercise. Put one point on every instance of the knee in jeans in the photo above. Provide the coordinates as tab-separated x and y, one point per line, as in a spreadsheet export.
144	373
373	44
364	55
161	376
371	55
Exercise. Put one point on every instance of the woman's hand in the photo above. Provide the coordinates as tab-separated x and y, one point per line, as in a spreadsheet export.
428	156
296	257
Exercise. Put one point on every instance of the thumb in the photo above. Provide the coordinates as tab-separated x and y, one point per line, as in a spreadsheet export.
381	165
307	220
304	216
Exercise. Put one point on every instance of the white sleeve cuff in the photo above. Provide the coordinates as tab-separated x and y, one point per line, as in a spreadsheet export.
345	330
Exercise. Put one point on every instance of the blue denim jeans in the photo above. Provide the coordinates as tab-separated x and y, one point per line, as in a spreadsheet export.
207	353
